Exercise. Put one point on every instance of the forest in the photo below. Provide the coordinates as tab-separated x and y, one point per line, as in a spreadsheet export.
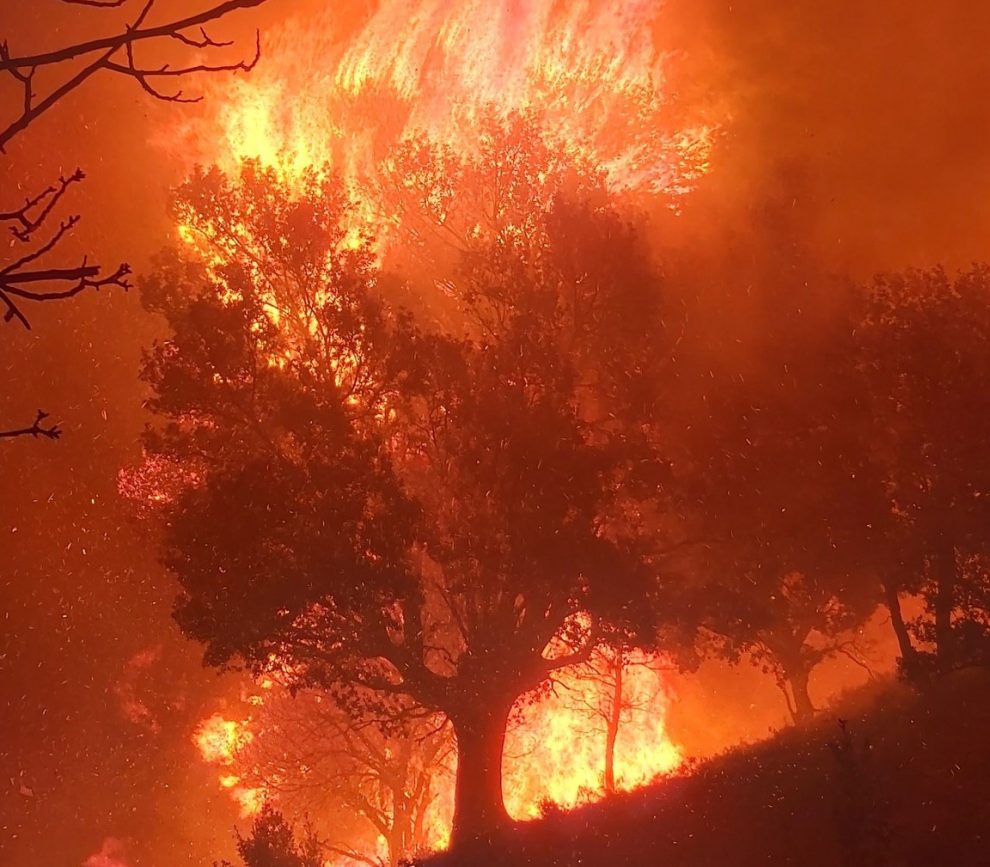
523	434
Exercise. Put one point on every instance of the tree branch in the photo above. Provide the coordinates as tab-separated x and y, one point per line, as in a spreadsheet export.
23	69
36	430
99	4
17	279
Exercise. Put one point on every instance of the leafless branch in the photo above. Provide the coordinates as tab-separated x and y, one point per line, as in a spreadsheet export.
23	280
36	430
99	4
46	200
142	76
116	54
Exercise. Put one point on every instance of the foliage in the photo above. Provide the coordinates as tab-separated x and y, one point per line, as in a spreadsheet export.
789	500
272	843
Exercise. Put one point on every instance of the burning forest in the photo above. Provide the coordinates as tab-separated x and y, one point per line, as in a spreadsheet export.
526	433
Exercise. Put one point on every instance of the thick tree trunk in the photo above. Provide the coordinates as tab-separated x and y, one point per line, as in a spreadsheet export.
612	724
909	656
797	678
478	806
400	840
944	567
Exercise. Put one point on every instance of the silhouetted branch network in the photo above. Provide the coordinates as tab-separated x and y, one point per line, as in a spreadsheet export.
30	277
115	53
25	279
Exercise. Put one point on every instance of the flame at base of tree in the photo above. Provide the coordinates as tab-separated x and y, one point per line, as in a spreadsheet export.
557	754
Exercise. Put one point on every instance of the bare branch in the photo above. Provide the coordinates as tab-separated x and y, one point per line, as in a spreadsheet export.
104	50
36	430
204	42
99	4
49	197
22	280
133	34
141	76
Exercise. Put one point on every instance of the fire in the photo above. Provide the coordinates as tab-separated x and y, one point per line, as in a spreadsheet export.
219	740
589	72
555	751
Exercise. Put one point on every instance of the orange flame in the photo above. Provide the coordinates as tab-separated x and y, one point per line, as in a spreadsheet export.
588	71
554	754
219	740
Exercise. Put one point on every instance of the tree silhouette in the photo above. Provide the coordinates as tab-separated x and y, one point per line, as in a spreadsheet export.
924	342
272	843
395	509
785	482
315	759
618	695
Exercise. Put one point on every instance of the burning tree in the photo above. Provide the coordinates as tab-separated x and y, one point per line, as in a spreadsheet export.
391	507
618	688
311	758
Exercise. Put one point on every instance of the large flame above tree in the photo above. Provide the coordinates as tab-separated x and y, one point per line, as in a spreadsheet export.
590	72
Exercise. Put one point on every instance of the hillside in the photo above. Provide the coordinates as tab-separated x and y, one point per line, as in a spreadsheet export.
904	781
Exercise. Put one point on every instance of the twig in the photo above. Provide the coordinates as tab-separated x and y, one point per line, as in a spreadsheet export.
36	430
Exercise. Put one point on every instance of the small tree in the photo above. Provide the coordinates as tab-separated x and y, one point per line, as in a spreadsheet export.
793	507
610	692
272	843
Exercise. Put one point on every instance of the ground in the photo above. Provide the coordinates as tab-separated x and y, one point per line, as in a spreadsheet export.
892	777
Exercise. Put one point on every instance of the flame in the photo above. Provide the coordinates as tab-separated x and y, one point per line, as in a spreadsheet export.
588	71
554	753
218	740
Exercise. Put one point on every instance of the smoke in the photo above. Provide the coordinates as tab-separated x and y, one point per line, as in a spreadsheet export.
864	122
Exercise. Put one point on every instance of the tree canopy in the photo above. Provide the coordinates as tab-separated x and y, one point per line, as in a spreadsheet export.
387	503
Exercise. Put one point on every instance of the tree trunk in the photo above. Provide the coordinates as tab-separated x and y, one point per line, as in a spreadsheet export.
909	656
944	567
797	678
612	724
478	806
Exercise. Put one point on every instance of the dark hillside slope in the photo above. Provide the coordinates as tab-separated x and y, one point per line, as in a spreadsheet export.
904	781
